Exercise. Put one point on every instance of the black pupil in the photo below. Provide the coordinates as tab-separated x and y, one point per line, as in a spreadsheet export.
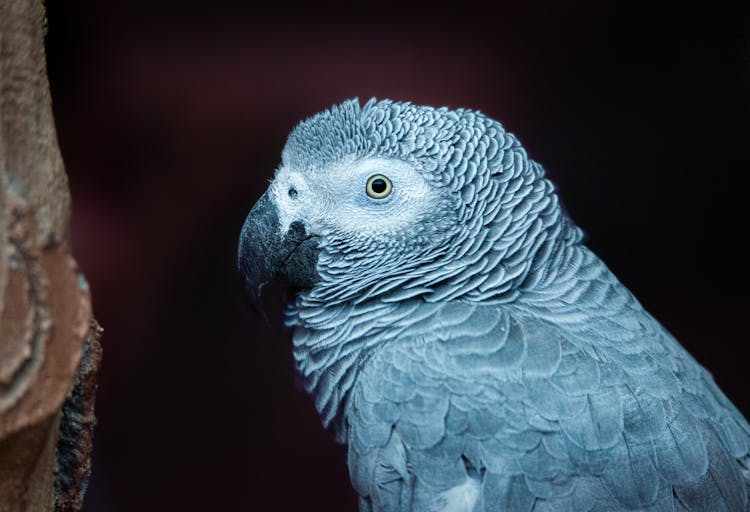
378	185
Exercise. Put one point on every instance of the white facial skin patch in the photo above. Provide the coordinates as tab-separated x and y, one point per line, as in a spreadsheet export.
336	200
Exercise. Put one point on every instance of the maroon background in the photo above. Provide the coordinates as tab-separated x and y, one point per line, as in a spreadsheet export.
172	116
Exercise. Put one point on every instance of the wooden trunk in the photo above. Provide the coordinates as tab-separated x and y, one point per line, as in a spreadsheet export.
48	341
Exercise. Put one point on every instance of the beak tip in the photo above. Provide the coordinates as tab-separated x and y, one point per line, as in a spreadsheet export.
256	304
254	298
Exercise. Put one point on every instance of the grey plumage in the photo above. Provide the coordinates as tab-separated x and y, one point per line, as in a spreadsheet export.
479	356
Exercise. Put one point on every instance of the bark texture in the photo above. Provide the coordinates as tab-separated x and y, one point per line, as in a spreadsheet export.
45	308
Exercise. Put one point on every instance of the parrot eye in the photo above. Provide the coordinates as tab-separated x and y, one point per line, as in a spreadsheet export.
378	186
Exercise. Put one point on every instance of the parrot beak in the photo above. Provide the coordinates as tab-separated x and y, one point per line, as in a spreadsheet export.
264	253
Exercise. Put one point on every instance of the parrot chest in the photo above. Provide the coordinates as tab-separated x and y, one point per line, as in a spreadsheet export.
518	404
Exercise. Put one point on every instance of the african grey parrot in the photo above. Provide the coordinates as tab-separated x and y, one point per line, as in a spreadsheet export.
461	341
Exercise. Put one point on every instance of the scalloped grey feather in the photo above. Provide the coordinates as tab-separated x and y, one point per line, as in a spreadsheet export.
483	358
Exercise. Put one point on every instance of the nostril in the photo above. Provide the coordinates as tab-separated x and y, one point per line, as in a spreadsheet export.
293	192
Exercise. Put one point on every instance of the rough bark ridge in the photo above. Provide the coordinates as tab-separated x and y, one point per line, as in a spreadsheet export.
45	308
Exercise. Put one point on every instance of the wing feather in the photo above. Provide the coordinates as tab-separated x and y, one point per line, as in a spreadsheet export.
548	418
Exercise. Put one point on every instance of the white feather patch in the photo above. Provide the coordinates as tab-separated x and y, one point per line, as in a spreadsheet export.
460	498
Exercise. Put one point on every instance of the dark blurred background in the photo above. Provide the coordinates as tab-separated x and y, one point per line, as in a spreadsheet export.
172	117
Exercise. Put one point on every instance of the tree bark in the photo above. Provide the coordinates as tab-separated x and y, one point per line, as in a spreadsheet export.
48	340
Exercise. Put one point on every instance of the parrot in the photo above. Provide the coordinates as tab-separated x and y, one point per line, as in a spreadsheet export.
459	338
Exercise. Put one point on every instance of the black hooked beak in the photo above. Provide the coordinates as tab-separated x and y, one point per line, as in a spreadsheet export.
264	253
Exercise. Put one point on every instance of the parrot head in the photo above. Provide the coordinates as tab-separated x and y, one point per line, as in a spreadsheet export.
398	201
